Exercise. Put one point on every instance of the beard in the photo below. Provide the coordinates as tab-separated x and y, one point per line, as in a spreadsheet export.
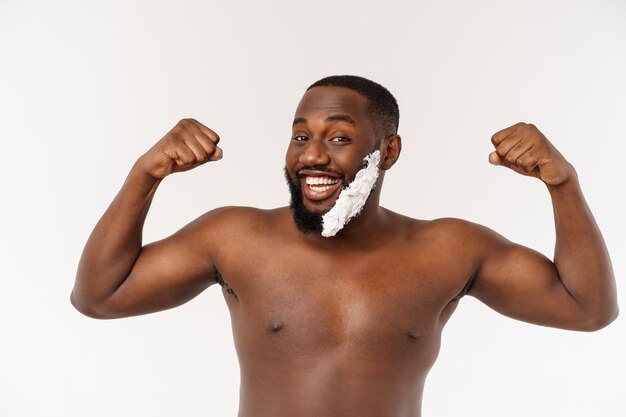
307	221
349	203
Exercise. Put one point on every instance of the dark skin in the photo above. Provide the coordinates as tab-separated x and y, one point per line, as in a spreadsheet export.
348	325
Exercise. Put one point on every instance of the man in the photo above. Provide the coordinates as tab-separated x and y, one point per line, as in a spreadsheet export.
338	304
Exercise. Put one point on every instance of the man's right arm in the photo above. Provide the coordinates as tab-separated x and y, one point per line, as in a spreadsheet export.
116	276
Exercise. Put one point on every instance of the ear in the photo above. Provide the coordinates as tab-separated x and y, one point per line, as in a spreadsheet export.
390	151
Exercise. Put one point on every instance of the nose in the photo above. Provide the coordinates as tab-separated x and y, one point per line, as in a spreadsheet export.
314	154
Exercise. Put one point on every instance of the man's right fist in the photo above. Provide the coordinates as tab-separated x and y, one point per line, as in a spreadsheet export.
188	145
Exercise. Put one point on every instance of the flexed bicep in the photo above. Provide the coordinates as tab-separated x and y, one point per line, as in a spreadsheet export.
524	284
167	273
577	291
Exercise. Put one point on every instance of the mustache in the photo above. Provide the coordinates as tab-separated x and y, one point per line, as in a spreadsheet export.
342	176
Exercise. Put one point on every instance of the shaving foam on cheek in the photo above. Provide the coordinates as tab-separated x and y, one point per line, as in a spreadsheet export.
352	199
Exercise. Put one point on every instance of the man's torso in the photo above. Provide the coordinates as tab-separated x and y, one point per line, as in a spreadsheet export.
338	330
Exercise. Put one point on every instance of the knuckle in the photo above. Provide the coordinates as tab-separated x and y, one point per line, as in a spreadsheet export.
176	137
177	132
188	159
185	123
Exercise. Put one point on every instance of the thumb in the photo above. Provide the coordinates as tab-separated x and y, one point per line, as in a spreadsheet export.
495	159
217	155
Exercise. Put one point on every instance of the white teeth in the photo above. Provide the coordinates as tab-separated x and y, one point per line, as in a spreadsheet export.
320	189
321	181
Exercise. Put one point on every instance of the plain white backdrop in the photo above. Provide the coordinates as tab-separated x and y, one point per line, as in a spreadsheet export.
87	87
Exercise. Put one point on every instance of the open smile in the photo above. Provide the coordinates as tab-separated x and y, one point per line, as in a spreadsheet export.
317	187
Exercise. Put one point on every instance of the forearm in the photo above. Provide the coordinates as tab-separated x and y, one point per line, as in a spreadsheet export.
115	242
581	257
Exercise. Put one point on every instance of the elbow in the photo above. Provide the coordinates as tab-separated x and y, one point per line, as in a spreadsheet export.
600	321
89	309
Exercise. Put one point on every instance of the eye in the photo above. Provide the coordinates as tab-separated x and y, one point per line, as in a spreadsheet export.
299	138
341	139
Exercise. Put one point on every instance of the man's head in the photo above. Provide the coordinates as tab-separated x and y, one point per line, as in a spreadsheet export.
339	121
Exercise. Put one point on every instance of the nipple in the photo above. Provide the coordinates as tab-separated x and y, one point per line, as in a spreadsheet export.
275	326
413	336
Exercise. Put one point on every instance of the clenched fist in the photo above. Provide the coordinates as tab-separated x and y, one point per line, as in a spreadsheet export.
188	145
525	150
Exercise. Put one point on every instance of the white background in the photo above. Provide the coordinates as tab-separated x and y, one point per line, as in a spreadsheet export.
87	87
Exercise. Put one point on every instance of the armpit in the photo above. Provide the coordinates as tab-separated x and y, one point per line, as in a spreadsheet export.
225	287
466	289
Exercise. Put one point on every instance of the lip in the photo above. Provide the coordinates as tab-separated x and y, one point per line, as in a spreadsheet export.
315	195
317	173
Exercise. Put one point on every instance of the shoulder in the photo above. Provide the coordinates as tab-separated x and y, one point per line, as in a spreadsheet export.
237	219
449	227
454	249
228	227
463	235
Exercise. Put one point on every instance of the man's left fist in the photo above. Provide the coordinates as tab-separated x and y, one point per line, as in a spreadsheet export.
525	150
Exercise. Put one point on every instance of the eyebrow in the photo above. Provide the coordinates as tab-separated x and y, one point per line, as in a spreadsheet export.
331	118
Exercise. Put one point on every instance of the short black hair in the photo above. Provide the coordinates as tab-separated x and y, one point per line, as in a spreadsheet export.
382	105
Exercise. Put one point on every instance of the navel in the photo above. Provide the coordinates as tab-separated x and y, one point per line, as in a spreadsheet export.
275	326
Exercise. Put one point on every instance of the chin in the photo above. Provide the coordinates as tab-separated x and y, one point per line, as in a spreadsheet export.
307	219
321	208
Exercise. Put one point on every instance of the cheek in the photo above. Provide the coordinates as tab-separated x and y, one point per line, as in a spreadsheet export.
291	156
350	166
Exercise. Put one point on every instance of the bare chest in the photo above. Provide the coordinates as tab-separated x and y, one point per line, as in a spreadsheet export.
384	306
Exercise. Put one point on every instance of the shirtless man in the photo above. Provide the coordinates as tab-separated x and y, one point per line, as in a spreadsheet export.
347	325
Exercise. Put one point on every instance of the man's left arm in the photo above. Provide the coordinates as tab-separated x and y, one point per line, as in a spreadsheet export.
577	290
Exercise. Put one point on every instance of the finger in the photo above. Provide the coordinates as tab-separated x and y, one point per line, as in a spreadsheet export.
192	140
217	155
494	158
517	151
181	155
213	152
507	144
529	160
210	134
504	133
198	151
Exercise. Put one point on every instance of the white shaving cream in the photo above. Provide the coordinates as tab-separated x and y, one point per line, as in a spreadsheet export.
352	199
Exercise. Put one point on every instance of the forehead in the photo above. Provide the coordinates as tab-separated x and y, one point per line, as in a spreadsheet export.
326	100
